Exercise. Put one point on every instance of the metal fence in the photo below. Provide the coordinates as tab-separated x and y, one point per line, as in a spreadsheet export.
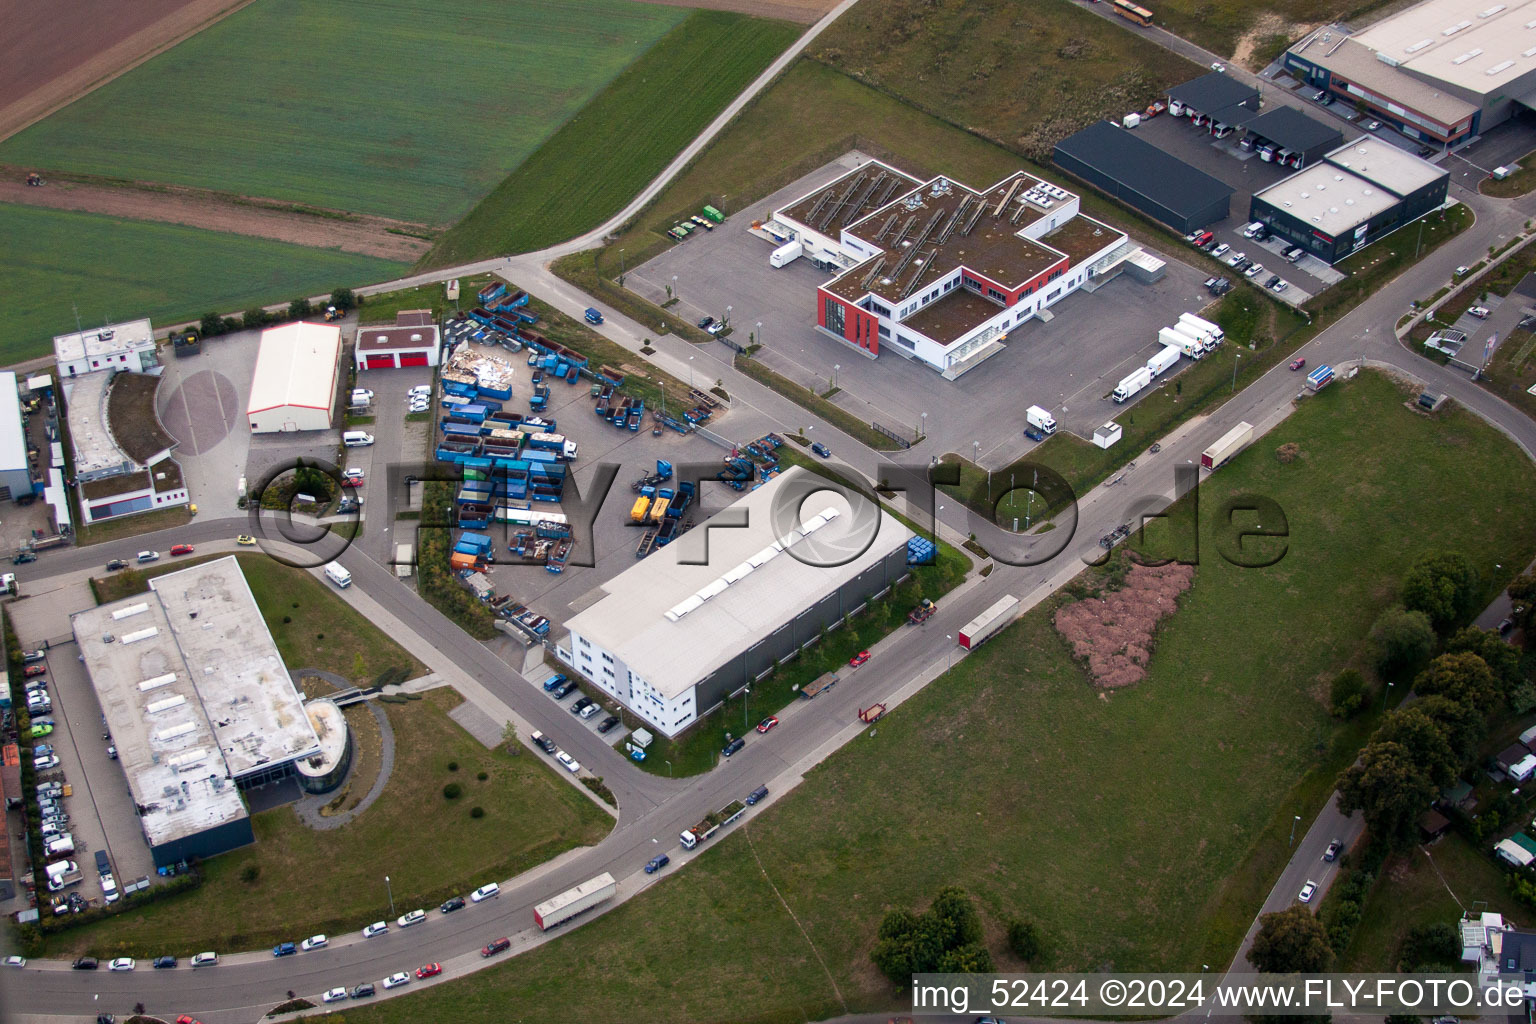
898	438
719	439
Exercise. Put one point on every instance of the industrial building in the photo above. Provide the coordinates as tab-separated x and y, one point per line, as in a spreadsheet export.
1360	192
1219	98
122	452
294	385
412	341
1288	129
128	346
1441	71
198	703
15	468
1144	177
939	272
702	618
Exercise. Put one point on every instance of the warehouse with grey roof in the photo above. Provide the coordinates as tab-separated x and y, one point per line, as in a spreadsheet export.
1141	175
680	631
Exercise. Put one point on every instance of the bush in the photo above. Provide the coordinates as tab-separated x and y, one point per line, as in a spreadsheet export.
1431	947
477	812
1445	586
482	776
453	791
453	766
1024	939
250	873
1400	641
1347	695
944	938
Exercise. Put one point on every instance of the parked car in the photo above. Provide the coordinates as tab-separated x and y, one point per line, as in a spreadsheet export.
15	961
1481	312
858	659
705	322
429	970
564	690
34	670
205	959
148	556
716	328
377	928
314	942
1462	271
1306	892
822	450
568	762
487	891
1217	65
1372	126
1033	434
495	946
1332	853
733	746
181	549
122	963
767	723
397	979
362	991
1235	258
577	707
421	389
184	1019
590	711
607	724
164	962
656	863
42	764
449	906
116	564
352	473
41	729
1221	250
245	540
1254	270
334	995
414	917
33	657
1277	286
85	963
284	949
1298	362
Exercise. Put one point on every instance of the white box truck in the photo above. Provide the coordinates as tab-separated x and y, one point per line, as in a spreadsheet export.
338	575
786	254
1204	325
1040	419
1161	363
560	909
1131	385
1203	338
1184	343
1232	442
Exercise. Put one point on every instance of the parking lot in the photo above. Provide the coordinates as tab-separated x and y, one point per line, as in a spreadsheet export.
1069	364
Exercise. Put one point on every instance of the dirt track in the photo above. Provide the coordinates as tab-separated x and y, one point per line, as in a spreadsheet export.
805	12
58	50
368	236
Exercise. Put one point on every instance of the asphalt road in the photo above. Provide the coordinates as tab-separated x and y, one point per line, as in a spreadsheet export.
653	810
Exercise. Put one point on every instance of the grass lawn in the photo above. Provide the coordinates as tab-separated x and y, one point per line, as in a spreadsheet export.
429	846
1023	74
413	109
1413	892
698	749
602	157
815	404
1517	184
132	526
110	269
1383	260
381	308
1140	830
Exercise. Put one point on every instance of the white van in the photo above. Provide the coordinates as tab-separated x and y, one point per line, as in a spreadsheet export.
60	845
357	439
361	396
338	575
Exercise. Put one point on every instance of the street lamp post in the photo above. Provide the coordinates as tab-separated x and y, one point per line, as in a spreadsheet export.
1294	820
391	893
674	286
669	769
1384	695
728	315
1235	357
835	368
746	700
690	371
621	268
759	332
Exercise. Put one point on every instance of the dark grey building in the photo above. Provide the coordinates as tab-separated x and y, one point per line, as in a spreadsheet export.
1132	170
1357	194
1218	96
1290	129
705	616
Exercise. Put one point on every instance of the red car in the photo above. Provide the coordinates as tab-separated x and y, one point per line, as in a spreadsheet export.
351	481
429	970
34	670
767	723
859	659
1297	364
184	1019
181	549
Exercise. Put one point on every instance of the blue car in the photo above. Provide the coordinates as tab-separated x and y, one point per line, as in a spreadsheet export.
1033	434
822	450
552	682
284	949
656	863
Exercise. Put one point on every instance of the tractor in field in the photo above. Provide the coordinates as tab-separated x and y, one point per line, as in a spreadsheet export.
34	179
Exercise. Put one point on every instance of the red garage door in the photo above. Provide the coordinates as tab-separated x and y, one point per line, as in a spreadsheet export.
413	359
380	363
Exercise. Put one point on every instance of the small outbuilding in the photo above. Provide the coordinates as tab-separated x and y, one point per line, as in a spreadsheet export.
1106	435
414	340
294	387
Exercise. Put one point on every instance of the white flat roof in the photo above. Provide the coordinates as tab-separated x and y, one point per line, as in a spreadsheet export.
674	623
330	726
1478	45
1328	198
1385	164
95	449
195	695
13	433
101	341
296	366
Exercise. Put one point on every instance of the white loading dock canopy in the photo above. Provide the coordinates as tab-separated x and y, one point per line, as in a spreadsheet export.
294	387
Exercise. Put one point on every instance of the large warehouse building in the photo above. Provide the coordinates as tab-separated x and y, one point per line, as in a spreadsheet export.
1441	71
1359	193
1145	177
671	640
940	273
15	467
198	703
294	386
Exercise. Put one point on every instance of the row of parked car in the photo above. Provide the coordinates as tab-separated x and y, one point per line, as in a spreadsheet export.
486	892
559	686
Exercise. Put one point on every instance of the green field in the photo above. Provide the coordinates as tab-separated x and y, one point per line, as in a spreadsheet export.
411	109
1140	831
58	263
600	159
310	881
1263	29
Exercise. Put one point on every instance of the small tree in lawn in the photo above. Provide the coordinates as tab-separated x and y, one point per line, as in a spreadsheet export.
1400	640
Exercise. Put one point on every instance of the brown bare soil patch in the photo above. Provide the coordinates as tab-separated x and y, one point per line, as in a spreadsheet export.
240	215
59	50
805	12
1113	634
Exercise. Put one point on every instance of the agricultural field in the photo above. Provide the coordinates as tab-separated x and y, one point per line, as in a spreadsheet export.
604	156
1253	34
1022	74
412	110
1138	829
108	269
